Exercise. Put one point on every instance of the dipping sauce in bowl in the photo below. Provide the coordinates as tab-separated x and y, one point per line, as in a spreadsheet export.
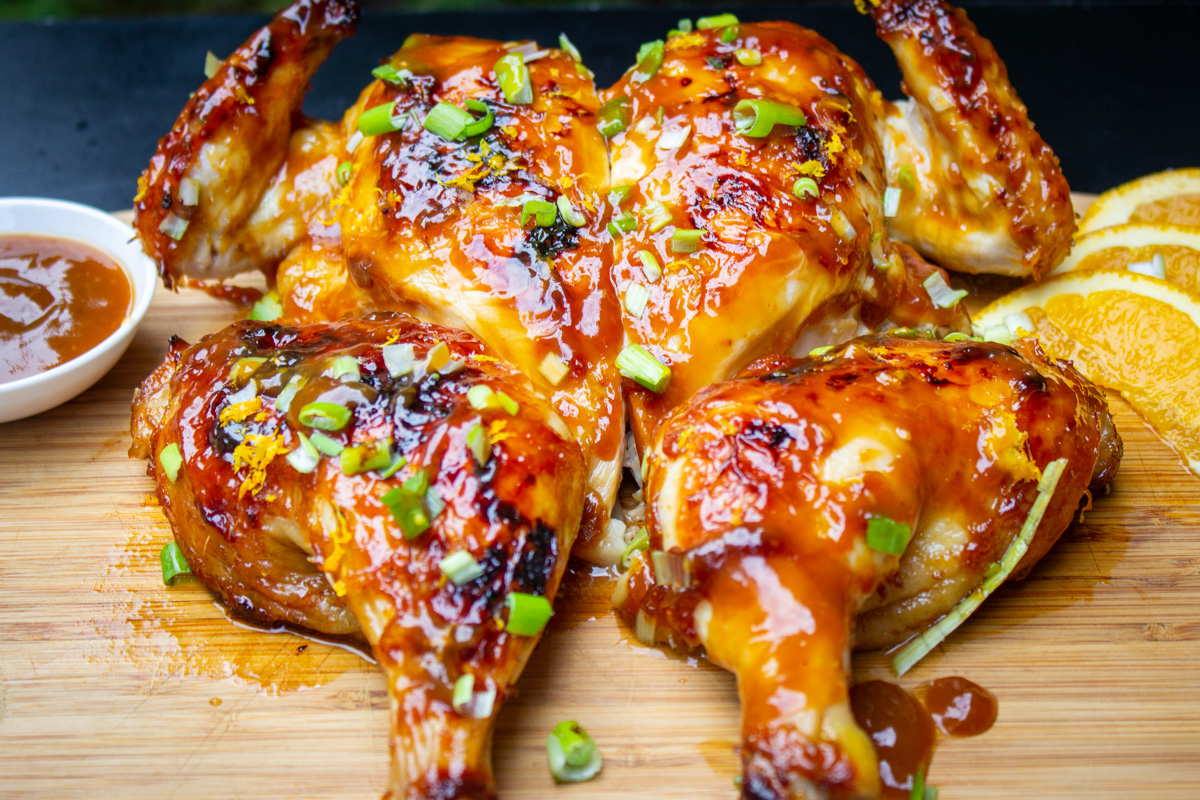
58	299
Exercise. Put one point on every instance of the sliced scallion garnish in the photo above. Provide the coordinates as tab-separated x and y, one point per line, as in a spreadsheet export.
542	212
407	504
756	118
173	226
656	216
940	292
805	188
716	21
480	396
513	77
650	266
464	691
304	459
527	613
380	120
748	58
729	34
670	569
572	50
622	223
344	171
325	416
479	444
636	363
399	359
170	459
553	368
283	400
674	138
189	191
460	567
613	117
571	215
920	645
447	121
636	297
891	201
640	543
649	59
905	178
326	444
373	455
617	195
684	25
480	124
507	403
344	367
572	754
398	461
685	240
211	64
173	562
887	535
389	74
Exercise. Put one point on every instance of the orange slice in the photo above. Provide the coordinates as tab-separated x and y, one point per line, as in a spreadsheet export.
1129	332
1165	198
1137	244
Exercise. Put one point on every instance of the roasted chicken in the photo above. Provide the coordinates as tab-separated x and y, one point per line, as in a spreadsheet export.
762	491
381	479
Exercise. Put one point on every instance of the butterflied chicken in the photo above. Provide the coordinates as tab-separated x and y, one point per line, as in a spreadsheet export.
383	479
878	484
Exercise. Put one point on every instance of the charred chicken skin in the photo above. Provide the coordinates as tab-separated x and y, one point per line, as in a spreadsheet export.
353	544
761	492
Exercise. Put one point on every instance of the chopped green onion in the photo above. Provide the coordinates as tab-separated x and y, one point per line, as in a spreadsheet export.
572	50
636	363
729	34
622	223
891	201
325	416
805	188
613	117
527	613
543	213
507	403
656	216
554	368
448	121
372	455
572	754
460	567
619	194
756	118
569	213
480	396
716	21
748	58
658	116
416	484
636	297
283	400
435	503
817	352
211	64
344	171
513	77
397	462
354	141
640	543
674	138
887	535
684	25
326	444
472	704
480	124
650	265
173	226
170	459
645	627
380	119
464	688
906	177
649	59
940	292
304	459
670	569
405	503
685	240
957	337
343	367
189	191
1000	334
389	74
399	359
918	787
920	645
437	357
174	563
479	444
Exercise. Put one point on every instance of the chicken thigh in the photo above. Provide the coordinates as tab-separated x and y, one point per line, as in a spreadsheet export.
382	479
767	495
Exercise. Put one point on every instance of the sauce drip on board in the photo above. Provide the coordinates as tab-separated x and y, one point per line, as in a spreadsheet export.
905	729
58	299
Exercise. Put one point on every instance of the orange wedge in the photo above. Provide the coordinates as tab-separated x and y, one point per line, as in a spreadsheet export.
1132	333
1136	245
1165	198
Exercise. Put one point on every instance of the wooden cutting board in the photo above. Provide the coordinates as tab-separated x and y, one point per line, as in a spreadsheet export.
114	686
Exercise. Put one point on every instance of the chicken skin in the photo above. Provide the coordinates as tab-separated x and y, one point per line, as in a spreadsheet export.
442	452
762	492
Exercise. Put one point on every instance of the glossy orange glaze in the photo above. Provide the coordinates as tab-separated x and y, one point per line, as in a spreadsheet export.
769	264
322	549
902	731
958	706
58	299
764	487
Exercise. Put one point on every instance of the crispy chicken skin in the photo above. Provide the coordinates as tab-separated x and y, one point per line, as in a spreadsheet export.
761	489
321	549
770	265
986	193
232	138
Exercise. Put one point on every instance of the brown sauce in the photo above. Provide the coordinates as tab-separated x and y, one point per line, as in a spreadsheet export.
905	729
58	299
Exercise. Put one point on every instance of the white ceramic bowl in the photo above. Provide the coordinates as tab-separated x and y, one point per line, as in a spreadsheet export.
59	218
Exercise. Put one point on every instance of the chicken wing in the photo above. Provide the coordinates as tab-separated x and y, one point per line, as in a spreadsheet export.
789	218
763	489
322	475
980	191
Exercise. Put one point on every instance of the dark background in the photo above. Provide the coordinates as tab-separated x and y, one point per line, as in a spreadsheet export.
1113	87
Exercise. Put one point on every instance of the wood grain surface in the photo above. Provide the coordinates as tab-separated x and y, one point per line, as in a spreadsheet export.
114	686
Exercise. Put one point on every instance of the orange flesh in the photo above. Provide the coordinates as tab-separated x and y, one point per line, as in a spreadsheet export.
1183	263
1182	209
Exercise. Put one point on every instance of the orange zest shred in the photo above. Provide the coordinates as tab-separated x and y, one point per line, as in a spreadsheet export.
835	145
497	432
339	539
486	359
811	168
143	186
239	411
693	39
255	453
